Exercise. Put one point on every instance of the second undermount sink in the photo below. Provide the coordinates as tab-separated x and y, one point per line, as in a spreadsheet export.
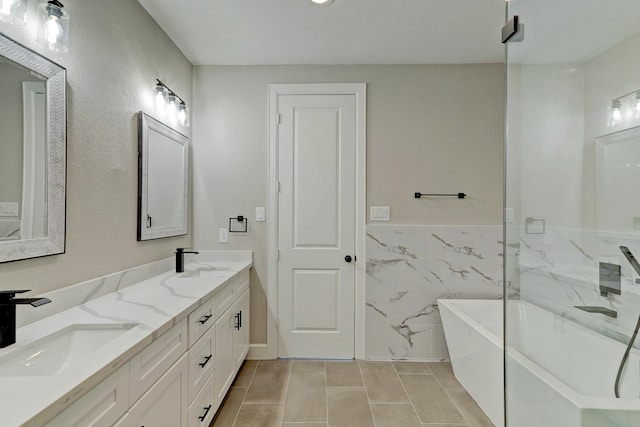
61	351
202	271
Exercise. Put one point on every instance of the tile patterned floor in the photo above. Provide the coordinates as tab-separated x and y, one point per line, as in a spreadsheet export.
304	393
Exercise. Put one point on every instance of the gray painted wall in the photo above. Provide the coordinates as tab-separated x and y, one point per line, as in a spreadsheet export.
116	52
429	128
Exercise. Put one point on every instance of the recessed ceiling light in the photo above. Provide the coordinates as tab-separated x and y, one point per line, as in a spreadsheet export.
321	2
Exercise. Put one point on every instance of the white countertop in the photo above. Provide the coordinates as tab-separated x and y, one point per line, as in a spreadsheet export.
155	305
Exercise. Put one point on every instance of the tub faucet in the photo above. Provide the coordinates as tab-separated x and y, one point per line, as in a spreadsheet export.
180	258
601	310
632	260
8	314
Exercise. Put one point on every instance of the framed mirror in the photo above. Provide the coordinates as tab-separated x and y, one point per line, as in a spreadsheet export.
163	180
33	162
618	183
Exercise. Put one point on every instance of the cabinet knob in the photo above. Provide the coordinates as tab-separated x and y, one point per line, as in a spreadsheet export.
348	258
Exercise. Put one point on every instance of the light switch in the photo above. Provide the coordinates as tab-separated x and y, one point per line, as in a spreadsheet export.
223	235
380	213
508	215
260	215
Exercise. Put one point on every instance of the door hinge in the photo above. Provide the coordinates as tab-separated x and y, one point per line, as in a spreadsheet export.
277	254
277	323
279	119
278	186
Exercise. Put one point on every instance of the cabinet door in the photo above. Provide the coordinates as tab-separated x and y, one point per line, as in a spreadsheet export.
224	361
165	403
241	331
152	362
99	407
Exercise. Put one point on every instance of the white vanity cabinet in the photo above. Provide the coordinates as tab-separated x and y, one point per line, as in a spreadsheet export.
181	378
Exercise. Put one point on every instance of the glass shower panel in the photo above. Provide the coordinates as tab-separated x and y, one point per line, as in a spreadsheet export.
573	186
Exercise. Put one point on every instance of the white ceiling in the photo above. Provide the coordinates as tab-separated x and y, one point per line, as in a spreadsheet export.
258	32
252	32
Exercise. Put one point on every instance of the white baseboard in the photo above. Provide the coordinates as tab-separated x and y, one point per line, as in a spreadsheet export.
257	352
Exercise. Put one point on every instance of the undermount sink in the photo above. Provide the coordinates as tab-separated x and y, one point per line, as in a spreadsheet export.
61	351
203	270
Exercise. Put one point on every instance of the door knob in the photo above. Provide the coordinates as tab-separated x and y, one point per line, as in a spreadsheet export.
348	258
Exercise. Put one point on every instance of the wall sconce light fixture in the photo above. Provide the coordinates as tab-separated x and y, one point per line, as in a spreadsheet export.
13	11
53	26
166	102
625	109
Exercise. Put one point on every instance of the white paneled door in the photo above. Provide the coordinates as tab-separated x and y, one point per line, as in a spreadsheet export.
316	225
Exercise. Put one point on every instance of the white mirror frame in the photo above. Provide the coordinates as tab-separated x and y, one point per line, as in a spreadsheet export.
56	128
147	123
602	203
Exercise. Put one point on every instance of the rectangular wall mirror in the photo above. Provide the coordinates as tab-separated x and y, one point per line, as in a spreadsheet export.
33	162
163	180
618	184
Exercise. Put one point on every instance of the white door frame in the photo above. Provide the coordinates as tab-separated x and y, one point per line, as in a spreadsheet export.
360	92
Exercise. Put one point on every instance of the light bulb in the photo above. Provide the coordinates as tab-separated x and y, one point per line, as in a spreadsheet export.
183	115
53	30
636	112
172	106
13	11
5	10
616	115
159	100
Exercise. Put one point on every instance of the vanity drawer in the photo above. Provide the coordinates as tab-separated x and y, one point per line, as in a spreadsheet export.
100	406
201	362
152	362
203	408
241	283
201	319
225	297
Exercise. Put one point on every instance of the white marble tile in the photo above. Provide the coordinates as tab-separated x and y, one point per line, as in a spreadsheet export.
413	266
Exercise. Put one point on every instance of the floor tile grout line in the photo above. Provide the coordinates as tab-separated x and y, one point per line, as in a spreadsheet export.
326	391
286	392
415	411
366	392
246	392
449	396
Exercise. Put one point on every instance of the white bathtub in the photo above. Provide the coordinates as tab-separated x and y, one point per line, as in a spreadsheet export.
559	374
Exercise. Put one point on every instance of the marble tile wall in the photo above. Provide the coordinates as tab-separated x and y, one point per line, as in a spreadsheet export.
409	268
559	270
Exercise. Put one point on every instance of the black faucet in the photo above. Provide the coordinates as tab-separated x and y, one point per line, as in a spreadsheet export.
180	258
8	314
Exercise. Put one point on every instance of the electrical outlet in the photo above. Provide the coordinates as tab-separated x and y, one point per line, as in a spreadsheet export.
223	235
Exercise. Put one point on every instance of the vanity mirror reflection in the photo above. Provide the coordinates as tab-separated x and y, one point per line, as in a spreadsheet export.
618	183
33	159
163	180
